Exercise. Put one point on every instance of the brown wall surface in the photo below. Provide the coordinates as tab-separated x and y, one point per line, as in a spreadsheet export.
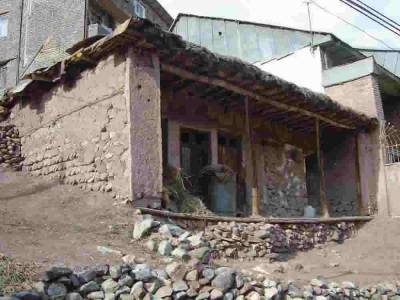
80	133
361	94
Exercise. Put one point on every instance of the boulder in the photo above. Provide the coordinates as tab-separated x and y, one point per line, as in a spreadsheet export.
143	227
142	272
224	281
56	291
57	272
170	230
165	248
164	292
110	286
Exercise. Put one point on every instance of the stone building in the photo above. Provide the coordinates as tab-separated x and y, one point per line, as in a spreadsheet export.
37	33
122	110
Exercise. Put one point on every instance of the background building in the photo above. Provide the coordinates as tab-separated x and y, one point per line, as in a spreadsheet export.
36	33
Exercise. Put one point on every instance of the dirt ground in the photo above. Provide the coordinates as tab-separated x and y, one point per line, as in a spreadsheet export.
48	223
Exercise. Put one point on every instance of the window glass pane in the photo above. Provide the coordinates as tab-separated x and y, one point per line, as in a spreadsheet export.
140	11
3	26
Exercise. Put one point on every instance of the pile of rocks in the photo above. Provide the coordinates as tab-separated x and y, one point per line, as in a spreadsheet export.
136	281
10	147
241	240
237	240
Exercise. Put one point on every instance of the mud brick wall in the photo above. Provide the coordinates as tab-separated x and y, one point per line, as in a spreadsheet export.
285	193
10	147
79	133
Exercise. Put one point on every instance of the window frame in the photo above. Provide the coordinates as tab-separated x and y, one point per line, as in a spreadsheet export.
3	15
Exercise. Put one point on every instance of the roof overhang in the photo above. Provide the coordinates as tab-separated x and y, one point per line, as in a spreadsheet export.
191	62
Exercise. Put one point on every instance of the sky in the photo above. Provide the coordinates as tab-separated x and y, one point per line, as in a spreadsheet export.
293	13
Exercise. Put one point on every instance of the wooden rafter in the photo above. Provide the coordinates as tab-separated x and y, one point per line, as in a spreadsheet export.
224	84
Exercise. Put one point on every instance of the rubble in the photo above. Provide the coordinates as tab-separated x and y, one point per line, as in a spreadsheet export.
197	281
240	240
10	147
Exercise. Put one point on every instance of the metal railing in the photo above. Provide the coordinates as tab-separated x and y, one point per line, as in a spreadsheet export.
391	137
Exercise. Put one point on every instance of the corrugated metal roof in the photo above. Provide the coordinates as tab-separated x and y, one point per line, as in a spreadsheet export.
249	41
389	59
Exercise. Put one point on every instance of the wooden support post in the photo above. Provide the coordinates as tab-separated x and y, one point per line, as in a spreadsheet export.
252	164
320	158
361	209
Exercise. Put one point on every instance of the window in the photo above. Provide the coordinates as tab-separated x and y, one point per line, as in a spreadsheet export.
140	10
3	26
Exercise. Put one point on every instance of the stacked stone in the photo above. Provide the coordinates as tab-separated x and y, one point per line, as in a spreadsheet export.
238	240
56	163
134	281
10	147
242	240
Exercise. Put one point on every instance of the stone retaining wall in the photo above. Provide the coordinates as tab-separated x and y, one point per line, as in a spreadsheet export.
10	147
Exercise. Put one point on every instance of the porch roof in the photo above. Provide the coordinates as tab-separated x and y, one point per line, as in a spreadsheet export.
277	99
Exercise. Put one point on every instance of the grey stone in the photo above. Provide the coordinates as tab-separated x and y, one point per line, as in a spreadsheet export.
56	291
253	296
319	282
116	271
109	296
126	297
180	253
192	275
164	292
271	292
269	283
96	295
27	295
137	290
151	245
57	272
171	230
208	274
262	234
224	281
239	281
126	280
228	296
122	290
110	286
89	287
143	227
73	296
179	286
203	295
165	248
152	287
176	271
216	294
200	253
142	272
196	240
87	276
180	296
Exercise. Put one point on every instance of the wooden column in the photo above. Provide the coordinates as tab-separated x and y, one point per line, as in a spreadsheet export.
251	164
320	159
361	209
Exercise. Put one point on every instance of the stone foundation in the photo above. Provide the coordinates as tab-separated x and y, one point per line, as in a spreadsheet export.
10	147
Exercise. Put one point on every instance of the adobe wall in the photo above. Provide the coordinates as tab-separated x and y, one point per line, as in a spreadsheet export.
285	191
80	133
363	95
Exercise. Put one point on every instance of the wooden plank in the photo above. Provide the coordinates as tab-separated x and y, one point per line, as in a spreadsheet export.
270	220
222	83
322	194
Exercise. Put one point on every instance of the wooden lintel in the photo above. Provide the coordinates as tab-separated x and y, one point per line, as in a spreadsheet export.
239	90
320	159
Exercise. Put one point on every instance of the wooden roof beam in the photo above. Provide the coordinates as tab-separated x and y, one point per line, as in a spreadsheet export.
234	88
